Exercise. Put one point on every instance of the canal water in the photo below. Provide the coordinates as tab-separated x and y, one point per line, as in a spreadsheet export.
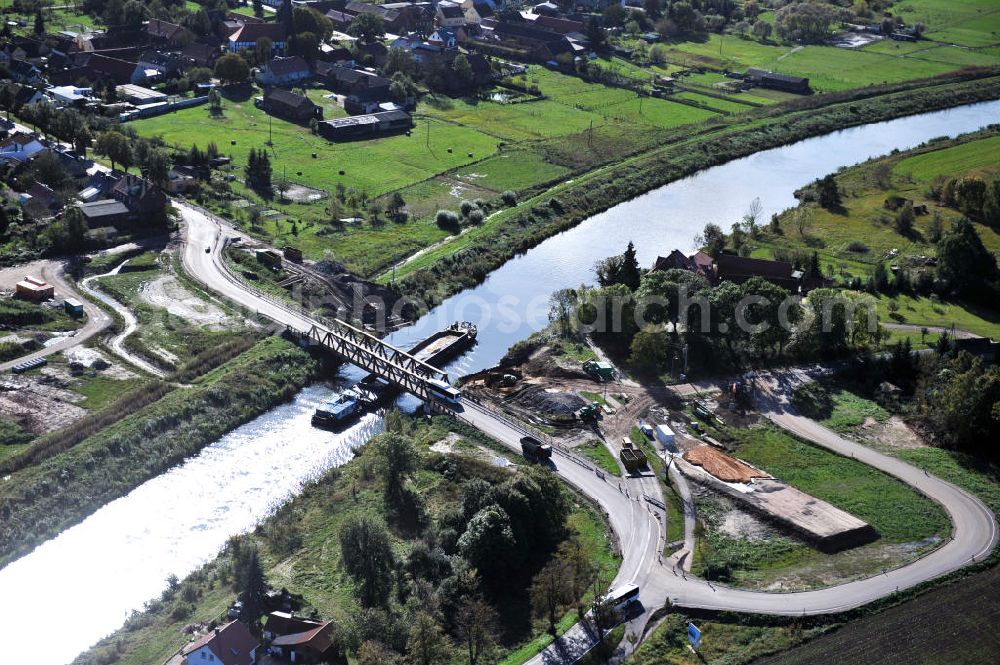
94	574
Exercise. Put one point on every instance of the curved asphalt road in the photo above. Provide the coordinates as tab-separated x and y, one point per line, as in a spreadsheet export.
97	320
636	525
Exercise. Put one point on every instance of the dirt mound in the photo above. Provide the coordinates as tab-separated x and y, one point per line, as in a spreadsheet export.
544	364
550	403
722	466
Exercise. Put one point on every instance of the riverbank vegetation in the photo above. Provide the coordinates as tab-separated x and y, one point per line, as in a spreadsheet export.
466	260
915	228
405	546
654	323
59	490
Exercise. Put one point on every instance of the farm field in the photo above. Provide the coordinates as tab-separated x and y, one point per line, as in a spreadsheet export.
828	68
459	149
964	22
915	631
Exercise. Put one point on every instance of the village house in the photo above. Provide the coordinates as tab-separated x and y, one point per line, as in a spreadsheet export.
283	71
699	262
200	55
168	34
289	105
69	95
340	20
140	196
98	67
561	26
105	213
23	71
179	182
364	86
155	65
26	95
450	14
310	647
231	644
541	44
394	21
40	194
739	269
246	35
20	147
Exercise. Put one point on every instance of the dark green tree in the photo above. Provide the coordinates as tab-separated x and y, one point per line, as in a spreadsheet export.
367	556
251	589
828	193
964	263
368	26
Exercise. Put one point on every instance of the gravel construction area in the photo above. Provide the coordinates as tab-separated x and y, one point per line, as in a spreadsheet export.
169	294
95	359
40	403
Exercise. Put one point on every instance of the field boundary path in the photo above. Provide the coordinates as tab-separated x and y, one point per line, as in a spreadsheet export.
117	343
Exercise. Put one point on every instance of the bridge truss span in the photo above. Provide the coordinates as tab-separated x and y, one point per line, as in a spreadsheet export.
378	357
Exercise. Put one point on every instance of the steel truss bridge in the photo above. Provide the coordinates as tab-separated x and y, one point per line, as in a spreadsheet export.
378	357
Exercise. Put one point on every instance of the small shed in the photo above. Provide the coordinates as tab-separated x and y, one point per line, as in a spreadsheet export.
665	436
34	288
73	307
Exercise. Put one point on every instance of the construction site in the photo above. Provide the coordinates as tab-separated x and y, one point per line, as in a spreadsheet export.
581	403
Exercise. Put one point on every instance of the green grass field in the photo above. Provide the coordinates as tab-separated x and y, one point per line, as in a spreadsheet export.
899	513
921	311
834	235
599	454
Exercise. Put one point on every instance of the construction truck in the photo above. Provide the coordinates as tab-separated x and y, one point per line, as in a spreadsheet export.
598	370
533	449
632	457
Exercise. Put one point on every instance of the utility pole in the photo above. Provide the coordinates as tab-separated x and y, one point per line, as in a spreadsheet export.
428	133
270	130
590	134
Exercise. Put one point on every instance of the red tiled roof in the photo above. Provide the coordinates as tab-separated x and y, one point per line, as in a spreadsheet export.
318	638
232	644
251	32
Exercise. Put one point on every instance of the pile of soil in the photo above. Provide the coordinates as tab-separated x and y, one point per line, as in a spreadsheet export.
550	404
722	466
